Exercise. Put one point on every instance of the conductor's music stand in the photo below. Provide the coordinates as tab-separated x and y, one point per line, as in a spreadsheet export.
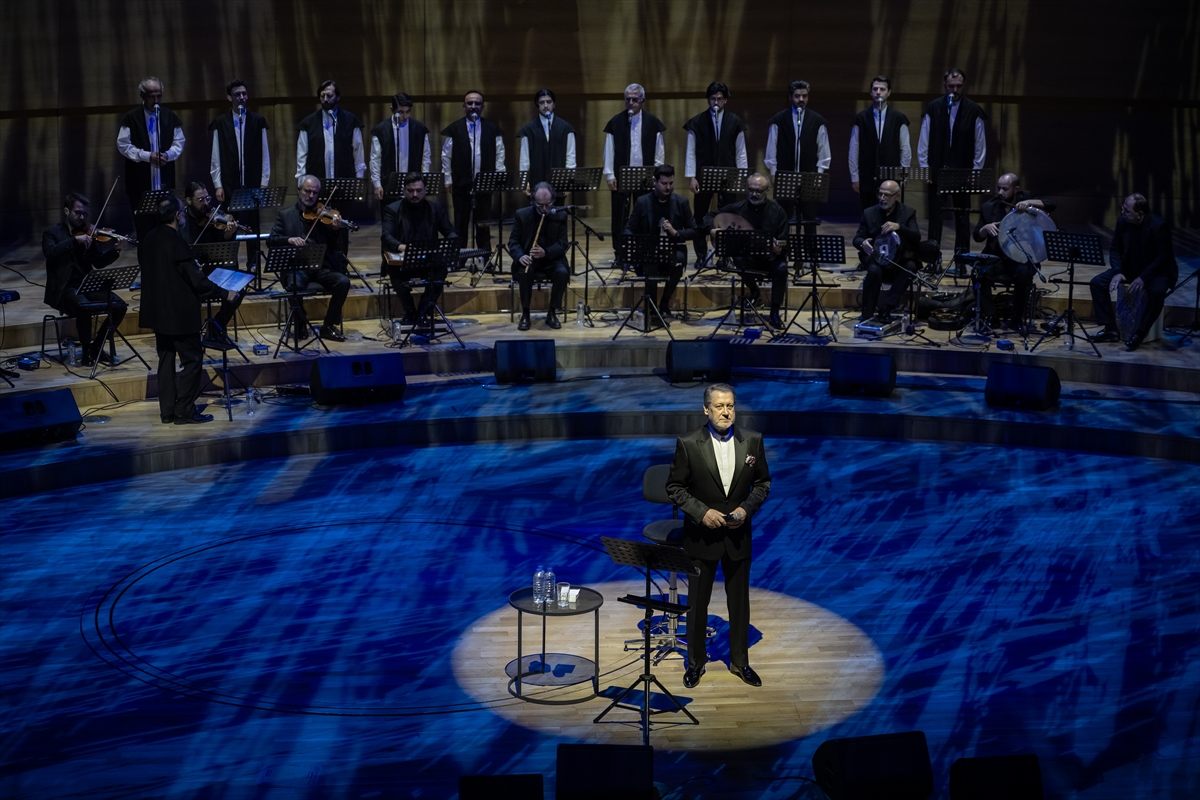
901	175
1073	248
734	247
288	258
151	199
814	249
803	187
393	190
655	254
108	281
650	556
247	199
420	258
210	257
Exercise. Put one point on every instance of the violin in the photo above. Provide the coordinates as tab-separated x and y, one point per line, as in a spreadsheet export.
103	235
323	213
222	222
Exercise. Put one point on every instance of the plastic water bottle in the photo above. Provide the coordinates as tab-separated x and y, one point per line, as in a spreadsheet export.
579	313
72	354
548	582
397	334
250	402
539	586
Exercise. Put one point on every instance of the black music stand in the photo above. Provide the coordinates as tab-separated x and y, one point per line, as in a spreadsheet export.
740	244
219	262
255	200
491	183
350	190
719	181
288	258
212	256
580	179
635	180
151	199
656	255
901	175
393	190
419	259
108	281
664	558
803	187
1073	248
814	249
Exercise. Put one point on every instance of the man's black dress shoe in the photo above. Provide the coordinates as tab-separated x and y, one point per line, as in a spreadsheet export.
196	417
552	320
747	674
776	322
1109	334
331	333
168	420
691	678
1135	341
523	322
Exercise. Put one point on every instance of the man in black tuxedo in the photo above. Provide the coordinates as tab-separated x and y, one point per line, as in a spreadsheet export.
662	212
151	140
544	258
291	228
472	144
172	288
70	255
888	216
415	219
719	479
1142	254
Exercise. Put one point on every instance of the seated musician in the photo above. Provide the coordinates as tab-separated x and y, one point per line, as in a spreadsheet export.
71	253
301	225
199	227
538	245
415	219
1009	198
1142	254
769	217
665	213
886	218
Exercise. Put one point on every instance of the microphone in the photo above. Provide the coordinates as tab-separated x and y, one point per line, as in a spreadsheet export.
473	116
156	109
241	111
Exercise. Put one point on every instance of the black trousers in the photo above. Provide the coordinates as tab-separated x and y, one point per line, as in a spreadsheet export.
737	594
332	281
621	203
558	273
177	393
674	276
1102	306
431	294
1021	275
962	219
873	284
72	304
703	203
462	217
777	271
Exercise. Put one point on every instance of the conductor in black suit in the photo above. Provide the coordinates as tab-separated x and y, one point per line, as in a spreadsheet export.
664	213
172	288
719	479
887	216
544	258
415	219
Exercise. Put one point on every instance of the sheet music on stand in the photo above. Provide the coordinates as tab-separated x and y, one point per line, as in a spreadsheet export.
289	258
393	190
422	256
216	254
151	199
580	179
348	190
250	199
111	279
727	180
635	180
653	252
812	248
743	244
807	187
489	182
902	174
966	181
1082	248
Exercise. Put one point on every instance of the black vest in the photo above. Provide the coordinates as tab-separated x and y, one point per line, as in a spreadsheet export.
785	141
461	173
137	173
709	151
387	147
545	155
873	153
252	150
343	144
618	126
959	153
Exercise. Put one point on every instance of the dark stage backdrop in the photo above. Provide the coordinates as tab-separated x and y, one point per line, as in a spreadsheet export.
1087	101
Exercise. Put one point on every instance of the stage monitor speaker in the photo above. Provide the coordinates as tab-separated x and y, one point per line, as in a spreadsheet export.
604	771
710	361
862	374
28	420
500	787
892	765
996	778
1018	386
525	360
357	379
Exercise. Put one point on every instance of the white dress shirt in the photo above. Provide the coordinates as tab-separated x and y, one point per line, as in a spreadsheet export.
824	157
399	134
214	163
126	148
689	163
880	117
329	124
477	161
635	148
980	140
523	164
726	455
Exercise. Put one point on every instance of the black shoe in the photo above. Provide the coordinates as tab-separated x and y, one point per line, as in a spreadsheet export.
409	319
1134	342
331	333
523	322
691	678
168	420
776	322
552	320
747	675
196	417
755	297
1109	334
105	357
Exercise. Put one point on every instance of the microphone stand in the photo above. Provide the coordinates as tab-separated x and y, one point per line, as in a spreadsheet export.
909	327
1028	260
588	232
473	124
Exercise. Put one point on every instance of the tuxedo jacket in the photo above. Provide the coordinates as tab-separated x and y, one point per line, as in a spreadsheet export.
694	485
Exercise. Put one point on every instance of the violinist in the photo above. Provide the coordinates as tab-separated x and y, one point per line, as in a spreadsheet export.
1009	198
308	222
767	216
72	249
203	225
